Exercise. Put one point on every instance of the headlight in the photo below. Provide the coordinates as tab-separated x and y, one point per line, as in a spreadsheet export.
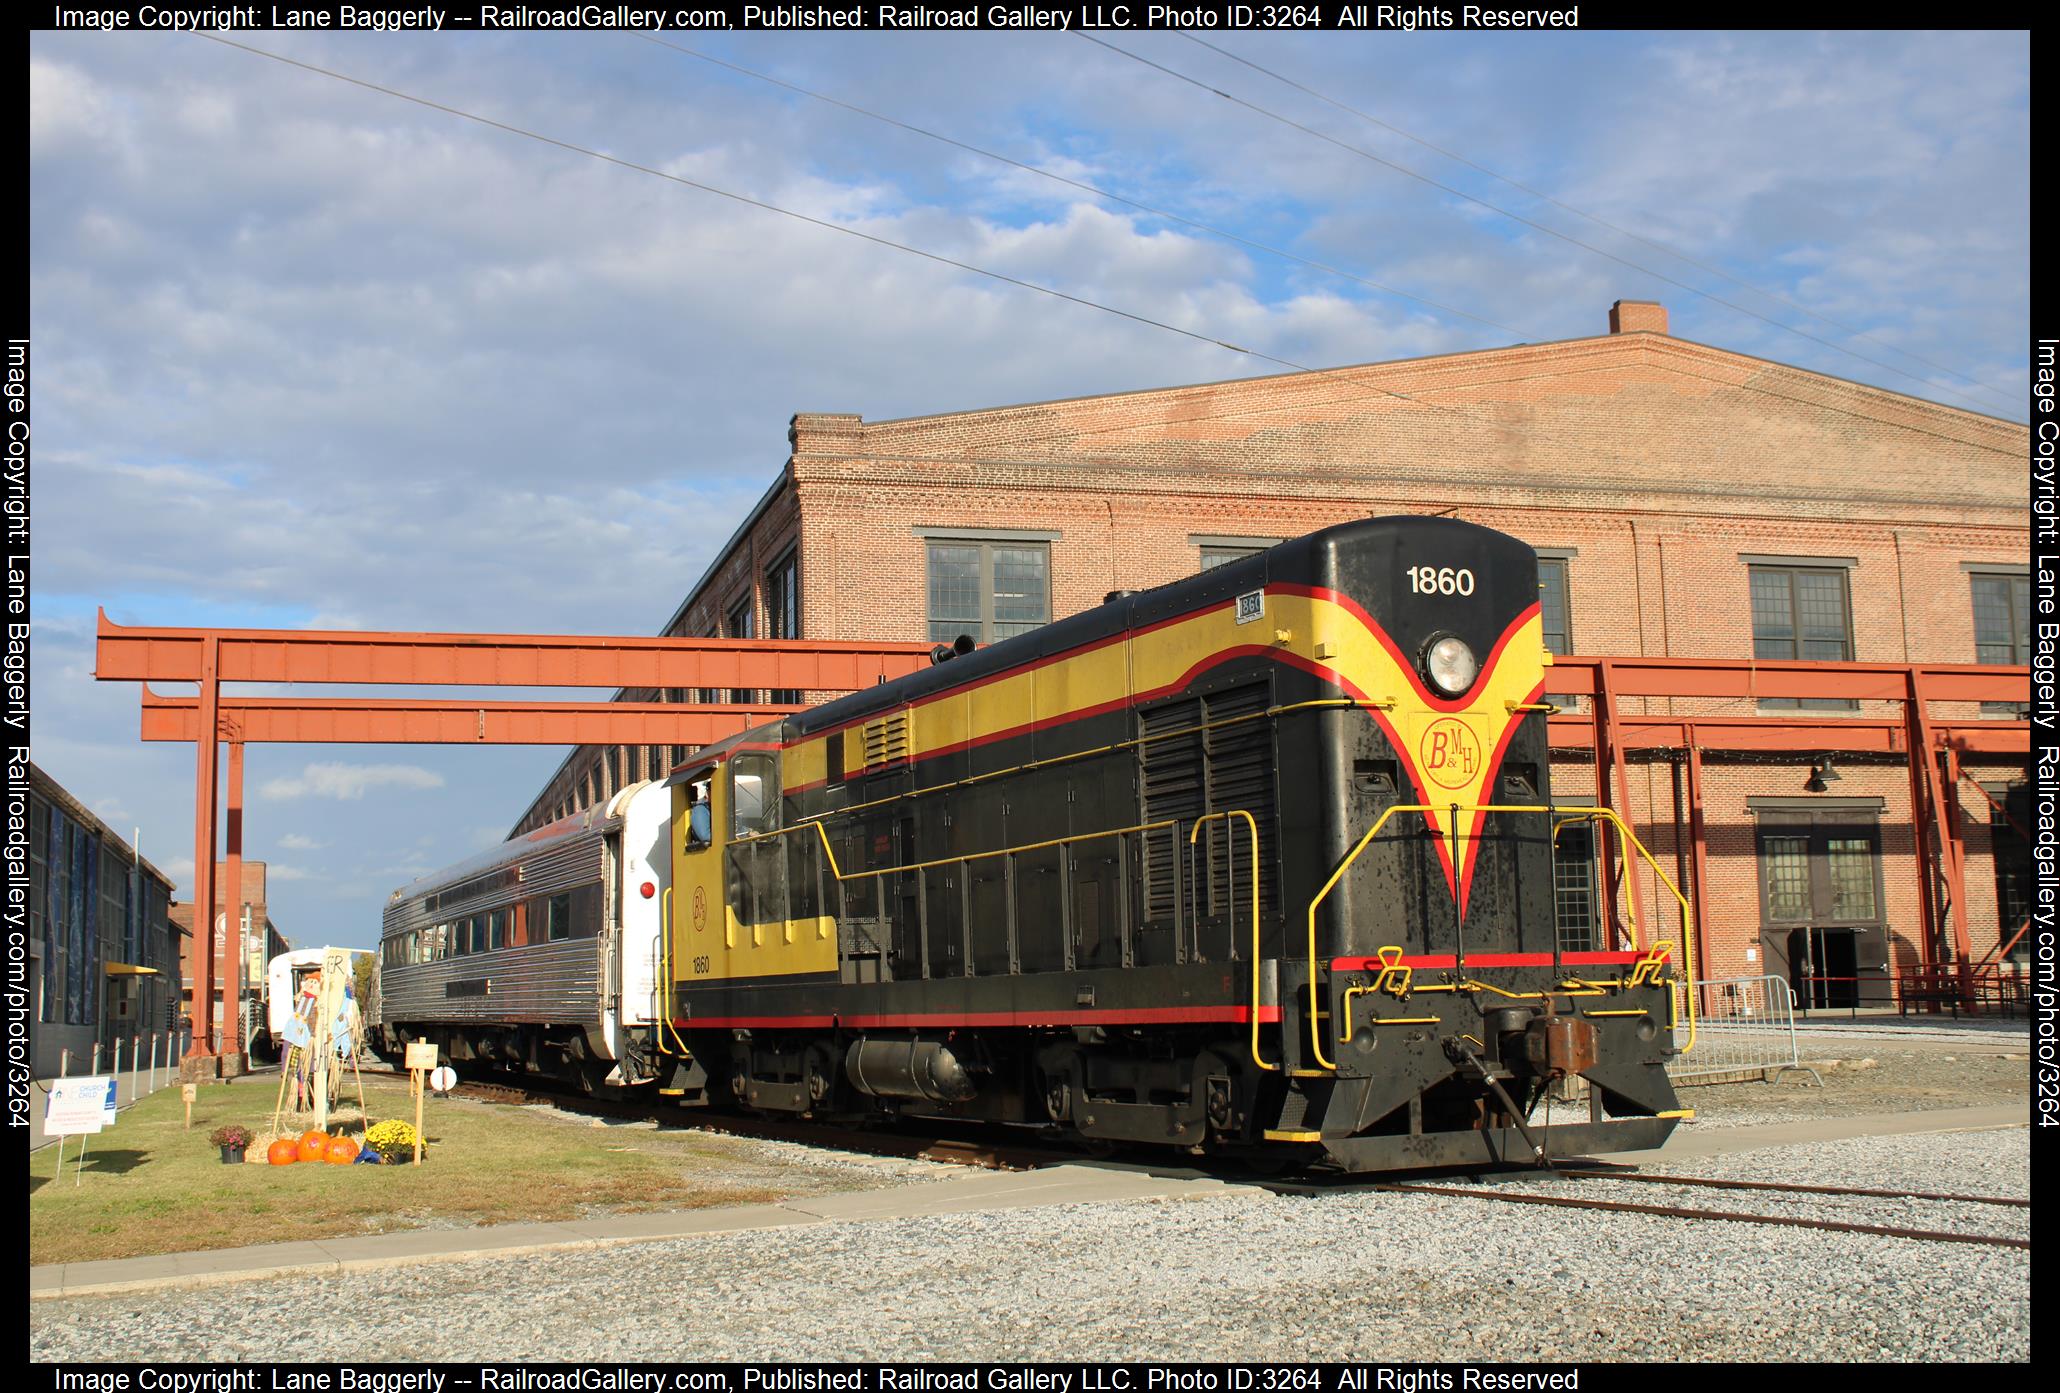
1450	665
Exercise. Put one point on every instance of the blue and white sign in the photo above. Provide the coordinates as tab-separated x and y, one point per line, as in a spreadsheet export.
79	1106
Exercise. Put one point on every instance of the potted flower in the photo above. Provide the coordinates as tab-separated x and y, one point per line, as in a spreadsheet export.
391	1141
232	1138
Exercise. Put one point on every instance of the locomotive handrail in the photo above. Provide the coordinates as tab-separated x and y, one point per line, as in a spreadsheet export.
1452	838
1252	828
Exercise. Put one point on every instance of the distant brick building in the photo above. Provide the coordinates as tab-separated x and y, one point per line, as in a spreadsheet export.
1687	501
260	938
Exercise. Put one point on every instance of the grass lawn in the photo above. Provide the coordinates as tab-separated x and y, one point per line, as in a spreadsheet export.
151	1186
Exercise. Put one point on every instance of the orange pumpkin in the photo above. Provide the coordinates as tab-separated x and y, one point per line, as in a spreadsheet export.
313	1135
314	1146
342	1152
283	1152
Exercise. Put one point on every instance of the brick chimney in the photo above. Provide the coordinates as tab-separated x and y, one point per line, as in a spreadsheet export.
1637	317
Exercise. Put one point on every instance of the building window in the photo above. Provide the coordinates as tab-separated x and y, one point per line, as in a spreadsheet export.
1801	612
991	590
2002	630
1555	615
741	624
1212	557
783	612
1553	611
1573	888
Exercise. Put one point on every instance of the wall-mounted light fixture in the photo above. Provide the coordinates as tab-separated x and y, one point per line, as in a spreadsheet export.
1821	773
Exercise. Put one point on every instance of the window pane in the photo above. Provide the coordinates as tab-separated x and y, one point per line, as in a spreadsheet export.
1850	861
1020	594
954	591
1552	607
1785	862
1773	615
1573	889
1820	614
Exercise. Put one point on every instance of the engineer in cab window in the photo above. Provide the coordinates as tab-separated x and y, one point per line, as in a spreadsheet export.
698	820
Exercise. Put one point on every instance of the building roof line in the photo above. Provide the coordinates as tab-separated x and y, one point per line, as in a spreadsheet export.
1651	339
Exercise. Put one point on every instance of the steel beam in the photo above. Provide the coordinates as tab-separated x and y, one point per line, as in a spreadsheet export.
1754	679
1808	735
134	654
412	721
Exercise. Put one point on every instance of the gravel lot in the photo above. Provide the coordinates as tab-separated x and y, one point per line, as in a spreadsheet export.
1866	1072
1248	1274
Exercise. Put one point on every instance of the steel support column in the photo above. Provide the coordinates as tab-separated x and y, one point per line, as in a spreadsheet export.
1698	860
232	916
201	965
1609	746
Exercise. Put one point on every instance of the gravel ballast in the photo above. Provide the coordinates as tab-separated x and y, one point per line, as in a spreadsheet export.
1248	1273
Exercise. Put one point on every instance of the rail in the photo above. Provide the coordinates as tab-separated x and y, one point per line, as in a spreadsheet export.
1963	987
1452	839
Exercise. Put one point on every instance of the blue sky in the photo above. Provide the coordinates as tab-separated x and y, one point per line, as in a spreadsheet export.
310	355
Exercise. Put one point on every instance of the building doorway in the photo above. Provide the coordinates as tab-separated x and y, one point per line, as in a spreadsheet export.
1820	903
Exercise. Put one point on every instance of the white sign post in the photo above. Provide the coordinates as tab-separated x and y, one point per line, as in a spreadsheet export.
78	1108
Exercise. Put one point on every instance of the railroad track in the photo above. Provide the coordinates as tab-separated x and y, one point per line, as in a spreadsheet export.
902	1144
1737	1216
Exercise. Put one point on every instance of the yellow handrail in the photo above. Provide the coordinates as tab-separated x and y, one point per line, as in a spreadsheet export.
665	971
1452	836
1251	827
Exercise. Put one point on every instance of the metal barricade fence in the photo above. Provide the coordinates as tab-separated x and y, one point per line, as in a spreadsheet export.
1745	1028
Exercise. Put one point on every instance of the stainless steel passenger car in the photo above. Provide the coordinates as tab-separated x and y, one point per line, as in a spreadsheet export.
539	953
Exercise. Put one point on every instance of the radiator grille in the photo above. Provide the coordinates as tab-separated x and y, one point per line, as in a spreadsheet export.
1209	754
886	740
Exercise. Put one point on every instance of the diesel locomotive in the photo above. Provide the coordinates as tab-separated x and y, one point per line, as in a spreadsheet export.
1257	863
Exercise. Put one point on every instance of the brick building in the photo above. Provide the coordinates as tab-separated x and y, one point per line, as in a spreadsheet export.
1688	501
104	954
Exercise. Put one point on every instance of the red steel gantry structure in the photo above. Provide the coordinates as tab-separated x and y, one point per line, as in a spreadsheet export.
208	658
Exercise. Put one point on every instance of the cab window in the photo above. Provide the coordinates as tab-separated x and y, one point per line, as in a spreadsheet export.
754	795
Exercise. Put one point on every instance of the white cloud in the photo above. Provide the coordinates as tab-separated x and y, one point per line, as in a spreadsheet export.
294	841
349	781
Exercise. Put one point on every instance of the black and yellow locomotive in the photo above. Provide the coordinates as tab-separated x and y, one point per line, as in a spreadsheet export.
1258	862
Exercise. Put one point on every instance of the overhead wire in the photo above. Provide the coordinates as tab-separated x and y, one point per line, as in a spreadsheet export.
1081	184
749	201
1532	223
766	206
769	207
1597	219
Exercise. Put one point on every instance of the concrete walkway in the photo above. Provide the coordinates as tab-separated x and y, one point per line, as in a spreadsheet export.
1081	1183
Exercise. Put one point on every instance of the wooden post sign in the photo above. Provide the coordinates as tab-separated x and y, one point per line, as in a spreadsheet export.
421	1058
189	1091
